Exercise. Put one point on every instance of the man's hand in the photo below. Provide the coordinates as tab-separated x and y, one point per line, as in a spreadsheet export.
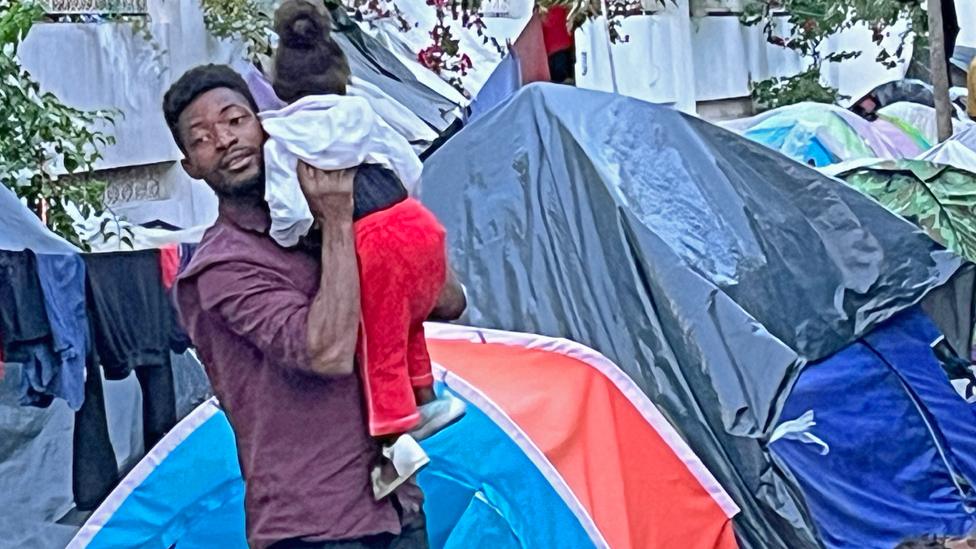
328	193
333	317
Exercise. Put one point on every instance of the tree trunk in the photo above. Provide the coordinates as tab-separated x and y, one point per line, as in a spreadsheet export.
940	72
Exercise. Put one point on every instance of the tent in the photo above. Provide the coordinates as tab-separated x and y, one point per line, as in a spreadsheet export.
918	118
940	199
521	469
905	91
372	62
821	135
711	269
959	151
897	459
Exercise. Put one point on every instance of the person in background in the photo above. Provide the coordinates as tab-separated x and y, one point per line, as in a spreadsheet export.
560	46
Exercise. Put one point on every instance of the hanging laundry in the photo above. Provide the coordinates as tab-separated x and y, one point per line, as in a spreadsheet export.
180	341
25	326
62	280
186	254
94	468
158	402
131	313
133	323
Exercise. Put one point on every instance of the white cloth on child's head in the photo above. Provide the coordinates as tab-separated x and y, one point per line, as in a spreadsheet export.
329	132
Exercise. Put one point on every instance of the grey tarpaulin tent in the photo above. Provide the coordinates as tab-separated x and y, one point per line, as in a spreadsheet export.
371	61
710	268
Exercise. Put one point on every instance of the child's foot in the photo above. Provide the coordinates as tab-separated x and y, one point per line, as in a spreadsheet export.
437	415
424	395
401	461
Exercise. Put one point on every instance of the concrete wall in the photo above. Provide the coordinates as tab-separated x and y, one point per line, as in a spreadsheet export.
107	66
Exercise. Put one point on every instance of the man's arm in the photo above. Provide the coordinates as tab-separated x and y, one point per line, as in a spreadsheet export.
316	336
334	315
256	303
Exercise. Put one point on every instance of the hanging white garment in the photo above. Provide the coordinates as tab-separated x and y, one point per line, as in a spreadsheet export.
329	132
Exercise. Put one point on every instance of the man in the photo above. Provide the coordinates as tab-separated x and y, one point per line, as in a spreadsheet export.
277	330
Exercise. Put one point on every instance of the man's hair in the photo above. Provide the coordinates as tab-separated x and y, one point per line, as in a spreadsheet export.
194	83
308	61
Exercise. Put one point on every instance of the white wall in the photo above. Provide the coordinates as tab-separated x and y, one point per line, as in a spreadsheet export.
728	56
677	59
96	66
106	66
654	65
966	13
856	77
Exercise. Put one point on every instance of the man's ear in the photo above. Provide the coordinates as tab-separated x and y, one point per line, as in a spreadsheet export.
191	169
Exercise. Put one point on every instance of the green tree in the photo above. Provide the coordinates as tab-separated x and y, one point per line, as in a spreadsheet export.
39	133
811	22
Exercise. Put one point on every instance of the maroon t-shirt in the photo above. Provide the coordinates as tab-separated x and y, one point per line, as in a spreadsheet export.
304	448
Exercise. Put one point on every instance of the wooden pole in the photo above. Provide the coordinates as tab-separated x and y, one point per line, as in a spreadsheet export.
939	70
613	67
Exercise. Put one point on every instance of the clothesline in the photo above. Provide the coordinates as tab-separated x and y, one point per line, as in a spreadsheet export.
70	319
57	305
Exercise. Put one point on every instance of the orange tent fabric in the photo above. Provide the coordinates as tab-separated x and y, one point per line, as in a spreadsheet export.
633	481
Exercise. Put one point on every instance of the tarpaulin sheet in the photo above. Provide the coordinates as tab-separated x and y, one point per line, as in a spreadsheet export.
897	434
372	62
707	267
959	151
20	229
939	199
921	117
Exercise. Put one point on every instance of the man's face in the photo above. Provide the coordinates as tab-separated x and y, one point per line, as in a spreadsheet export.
223	142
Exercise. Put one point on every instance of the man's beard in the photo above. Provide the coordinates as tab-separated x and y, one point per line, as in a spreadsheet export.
252	187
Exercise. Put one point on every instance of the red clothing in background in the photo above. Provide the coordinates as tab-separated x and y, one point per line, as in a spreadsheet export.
169	262
554	32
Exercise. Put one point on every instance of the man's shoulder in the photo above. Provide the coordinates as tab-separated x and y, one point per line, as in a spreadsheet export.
224	243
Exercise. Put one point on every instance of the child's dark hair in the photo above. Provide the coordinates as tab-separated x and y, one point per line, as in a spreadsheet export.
308	60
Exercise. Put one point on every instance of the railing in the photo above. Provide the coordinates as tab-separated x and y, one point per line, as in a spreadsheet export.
95	7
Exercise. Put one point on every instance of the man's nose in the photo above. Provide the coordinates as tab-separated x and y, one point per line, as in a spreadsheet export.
226	138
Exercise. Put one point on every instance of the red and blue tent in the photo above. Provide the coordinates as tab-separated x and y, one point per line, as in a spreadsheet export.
559	448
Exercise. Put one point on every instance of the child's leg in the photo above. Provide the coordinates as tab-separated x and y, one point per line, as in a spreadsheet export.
386	299
418	365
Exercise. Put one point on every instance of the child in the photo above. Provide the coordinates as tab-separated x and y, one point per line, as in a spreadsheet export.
401	246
